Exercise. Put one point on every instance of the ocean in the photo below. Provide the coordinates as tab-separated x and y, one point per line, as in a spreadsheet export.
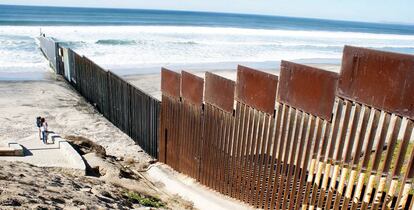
141	41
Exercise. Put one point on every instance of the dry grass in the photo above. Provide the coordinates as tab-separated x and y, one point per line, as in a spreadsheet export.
396	151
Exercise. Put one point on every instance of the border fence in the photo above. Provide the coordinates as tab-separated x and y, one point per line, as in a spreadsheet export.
130	109
50	50
306	139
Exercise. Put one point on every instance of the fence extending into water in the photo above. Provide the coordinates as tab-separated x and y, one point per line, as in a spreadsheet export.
305	139
50	49
130	109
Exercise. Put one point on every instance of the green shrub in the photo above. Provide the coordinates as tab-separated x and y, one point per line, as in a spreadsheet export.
144	200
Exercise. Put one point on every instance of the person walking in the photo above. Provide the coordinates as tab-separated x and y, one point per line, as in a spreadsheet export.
43	128
39	124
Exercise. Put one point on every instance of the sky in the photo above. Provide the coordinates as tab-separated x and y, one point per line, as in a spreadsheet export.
388	11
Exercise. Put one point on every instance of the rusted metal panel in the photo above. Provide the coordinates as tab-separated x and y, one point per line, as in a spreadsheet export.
250	154
257	156
256	89
235	160
192	88
251	126
219	139
172	132
190	140
169	145
207	145
230	127
383	80
217	134
307	88
219	92
297	194
170	83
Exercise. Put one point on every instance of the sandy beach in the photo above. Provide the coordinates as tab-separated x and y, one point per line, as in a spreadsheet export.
113	169
66	112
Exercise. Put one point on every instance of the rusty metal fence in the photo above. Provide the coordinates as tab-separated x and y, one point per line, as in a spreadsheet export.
126	106
308	139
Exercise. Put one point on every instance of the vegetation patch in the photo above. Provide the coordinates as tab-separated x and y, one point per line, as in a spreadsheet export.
144	200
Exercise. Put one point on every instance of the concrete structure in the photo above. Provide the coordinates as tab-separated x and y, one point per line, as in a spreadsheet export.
190	189
11	149
57	153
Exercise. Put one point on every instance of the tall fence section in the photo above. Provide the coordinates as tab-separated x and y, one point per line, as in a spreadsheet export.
306	139
133	111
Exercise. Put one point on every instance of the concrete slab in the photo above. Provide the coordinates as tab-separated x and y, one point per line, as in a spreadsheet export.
11	149
190	189
57	153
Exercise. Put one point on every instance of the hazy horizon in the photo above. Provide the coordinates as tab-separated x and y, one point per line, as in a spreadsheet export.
119	8
331	11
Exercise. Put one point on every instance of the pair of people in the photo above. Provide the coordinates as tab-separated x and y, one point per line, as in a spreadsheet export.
42	126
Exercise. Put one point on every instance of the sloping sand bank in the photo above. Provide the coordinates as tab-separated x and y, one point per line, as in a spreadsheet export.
67	114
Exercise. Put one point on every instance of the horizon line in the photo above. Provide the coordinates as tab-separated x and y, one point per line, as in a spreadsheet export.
213	12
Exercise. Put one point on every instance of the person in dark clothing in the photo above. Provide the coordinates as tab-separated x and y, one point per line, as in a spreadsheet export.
39	124
43	128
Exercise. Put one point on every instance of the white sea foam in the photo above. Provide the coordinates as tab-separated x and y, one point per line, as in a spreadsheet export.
156	46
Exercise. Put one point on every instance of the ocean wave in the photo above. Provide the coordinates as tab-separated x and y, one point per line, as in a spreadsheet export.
72	44
175	30
185	42
161	45
283	44
193	30
17	45
116	42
